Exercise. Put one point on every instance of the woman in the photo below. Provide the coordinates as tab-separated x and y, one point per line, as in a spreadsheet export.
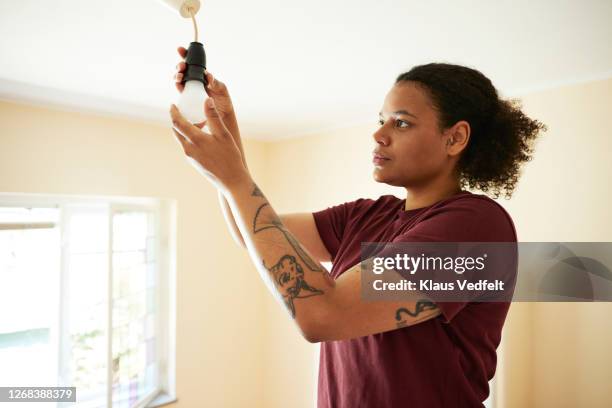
442	129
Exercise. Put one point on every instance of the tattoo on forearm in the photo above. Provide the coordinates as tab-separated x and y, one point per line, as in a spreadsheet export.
256	191
288	276
287	273
421	306
276	223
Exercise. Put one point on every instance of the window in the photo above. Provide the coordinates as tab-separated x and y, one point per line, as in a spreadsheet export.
90	291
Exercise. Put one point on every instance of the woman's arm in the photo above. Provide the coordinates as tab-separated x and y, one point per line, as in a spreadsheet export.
302	225
229	220
218	90
323	309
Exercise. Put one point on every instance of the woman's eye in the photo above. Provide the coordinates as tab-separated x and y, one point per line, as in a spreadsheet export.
400	122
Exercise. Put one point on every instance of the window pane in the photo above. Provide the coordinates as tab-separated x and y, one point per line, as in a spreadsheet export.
134	292
29	298
86	304
54	274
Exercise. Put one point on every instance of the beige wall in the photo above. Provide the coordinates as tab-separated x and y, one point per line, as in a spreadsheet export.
220	315
565	196
250	355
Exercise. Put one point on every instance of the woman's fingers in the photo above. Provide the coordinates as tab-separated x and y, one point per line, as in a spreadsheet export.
178	81
180	68
184	142
214	87
200	125
184	127
210	80
213	84
217	87
209	84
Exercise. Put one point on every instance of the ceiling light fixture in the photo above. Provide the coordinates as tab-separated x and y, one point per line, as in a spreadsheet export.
191	100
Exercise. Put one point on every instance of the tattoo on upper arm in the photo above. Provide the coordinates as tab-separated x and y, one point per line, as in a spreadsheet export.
421	306
289	278
276	223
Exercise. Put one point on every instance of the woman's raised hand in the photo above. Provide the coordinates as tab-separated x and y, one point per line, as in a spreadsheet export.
216	90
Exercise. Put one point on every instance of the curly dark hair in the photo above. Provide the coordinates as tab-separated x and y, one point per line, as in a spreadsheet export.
501	137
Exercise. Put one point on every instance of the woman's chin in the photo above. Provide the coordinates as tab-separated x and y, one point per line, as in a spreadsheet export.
379	176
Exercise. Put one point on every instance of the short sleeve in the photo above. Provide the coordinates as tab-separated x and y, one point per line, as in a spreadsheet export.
450	309
332	222
469	219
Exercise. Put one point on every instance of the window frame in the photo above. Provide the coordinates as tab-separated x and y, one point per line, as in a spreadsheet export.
164	218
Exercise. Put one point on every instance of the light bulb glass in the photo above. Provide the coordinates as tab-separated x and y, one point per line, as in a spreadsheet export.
191	102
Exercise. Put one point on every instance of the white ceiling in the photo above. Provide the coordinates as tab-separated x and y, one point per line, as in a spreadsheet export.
293	68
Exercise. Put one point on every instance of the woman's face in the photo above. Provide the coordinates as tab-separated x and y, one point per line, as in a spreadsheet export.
409	137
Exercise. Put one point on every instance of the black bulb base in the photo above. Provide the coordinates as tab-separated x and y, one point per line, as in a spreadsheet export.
196	64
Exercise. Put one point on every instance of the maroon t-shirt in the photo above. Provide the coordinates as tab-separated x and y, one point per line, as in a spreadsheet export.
446	361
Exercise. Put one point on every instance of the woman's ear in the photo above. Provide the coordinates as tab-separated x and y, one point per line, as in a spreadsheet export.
458	137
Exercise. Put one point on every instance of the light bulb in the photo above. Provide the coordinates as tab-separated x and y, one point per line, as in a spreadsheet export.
191	101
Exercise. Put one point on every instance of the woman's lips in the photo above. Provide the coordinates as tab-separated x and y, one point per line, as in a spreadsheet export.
377	159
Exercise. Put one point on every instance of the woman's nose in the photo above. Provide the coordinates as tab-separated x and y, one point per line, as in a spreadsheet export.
380	137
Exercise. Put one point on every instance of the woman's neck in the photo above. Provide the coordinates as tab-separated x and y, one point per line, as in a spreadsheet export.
430	194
